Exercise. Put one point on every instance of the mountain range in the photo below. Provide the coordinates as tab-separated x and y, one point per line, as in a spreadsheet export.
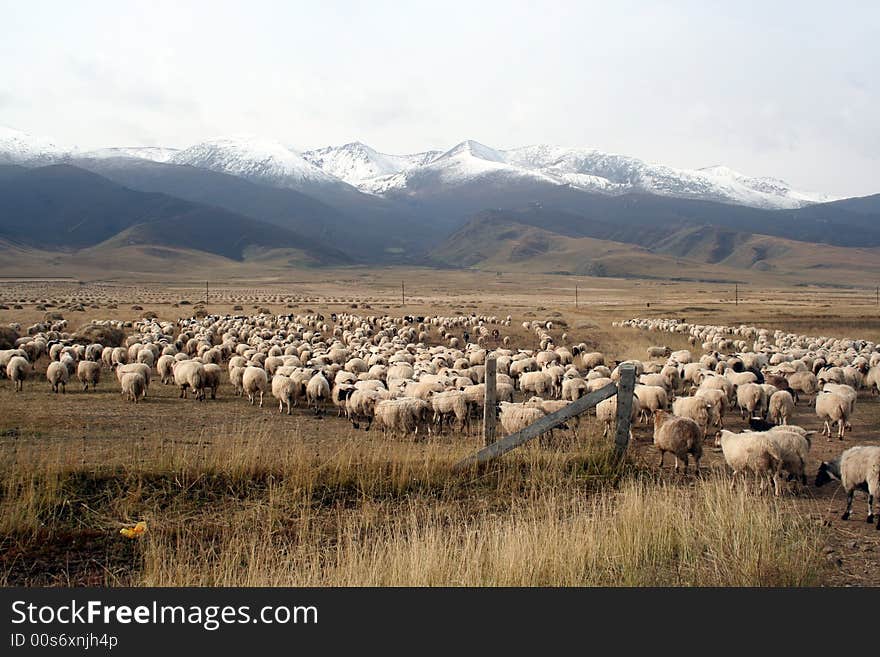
242	198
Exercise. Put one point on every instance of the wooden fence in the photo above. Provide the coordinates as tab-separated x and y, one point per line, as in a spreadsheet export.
493	449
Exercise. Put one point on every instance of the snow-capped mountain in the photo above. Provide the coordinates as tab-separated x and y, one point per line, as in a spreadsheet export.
257	159
466	162
356	163
152	153
587	169
17	147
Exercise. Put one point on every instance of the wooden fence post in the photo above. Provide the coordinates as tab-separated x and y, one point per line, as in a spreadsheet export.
489	402
535	429
625	388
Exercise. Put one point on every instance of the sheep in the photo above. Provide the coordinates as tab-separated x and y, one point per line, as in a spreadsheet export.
361	405
657	380
658	352
404	415
212	378
695	408
235	379
89	373
140	368
133	385
793	445
189	374
679	435
750	398
606	412
651	398
253	381
339	393
516	417
753	452
803	383
573	388
537	383
856	468
285	391
780	407
57	375
716	404
317	390
872	380
164	366
17	370
448	404
832	407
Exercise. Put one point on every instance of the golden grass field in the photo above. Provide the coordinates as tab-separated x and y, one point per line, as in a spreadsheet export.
239	495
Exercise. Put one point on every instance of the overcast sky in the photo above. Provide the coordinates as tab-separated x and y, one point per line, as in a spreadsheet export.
785	89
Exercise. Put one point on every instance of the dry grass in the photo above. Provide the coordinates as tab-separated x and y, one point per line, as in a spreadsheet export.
245	509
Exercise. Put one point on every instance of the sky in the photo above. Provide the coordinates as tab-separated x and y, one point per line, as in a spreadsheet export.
783	89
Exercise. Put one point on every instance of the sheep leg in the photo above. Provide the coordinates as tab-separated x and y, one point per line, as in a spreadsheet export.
261	399
849	503
662	454
870	518
841	429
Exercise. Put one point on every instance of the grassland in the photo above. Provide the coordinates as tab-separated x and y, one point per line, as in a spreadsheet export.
238	495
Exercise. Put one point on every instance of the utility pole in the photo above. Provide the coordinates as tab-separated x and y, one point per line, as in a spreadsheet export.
402	294
575	295
736	294
206	293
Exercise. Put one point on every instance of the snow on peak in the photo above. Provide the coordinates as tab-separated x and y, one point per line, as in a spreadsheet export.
356	163
152	153
255	158
472	148
18	147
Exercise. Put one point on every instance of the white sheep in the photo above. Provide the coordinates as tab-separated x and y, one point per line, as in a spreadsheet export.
750	398
448	405
803	383
211	378
189	375
537	383
856	468
317	390
405	415
164	366
57	375
285	391
651	398
254	381
832	407
606	412
17	370
236	375
780	408
751	452
695	408
516	417
133	386
89	373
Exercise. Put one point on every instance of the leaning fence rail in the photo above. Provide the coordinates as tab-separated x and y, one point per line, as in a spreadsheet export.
623	389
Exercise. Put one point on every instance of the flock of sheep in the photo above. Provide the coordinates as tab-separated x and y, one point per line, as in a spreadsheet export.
382	371
765	374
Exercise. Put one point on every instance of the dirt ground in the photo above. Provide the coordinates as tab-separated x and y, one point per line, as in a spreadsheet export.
91	425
